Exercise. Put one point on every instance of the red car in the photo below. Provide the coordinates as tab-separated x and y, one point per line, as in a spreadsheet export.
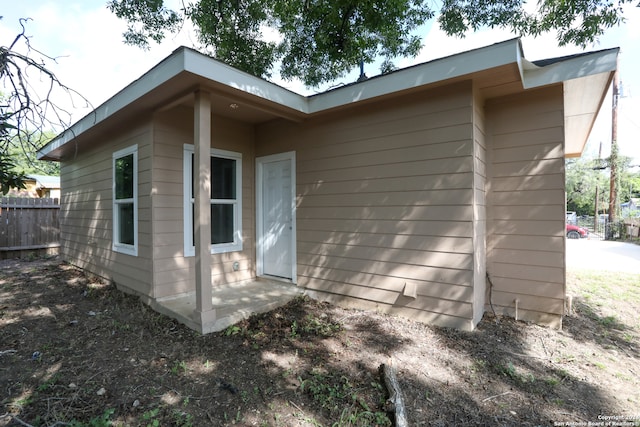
575	232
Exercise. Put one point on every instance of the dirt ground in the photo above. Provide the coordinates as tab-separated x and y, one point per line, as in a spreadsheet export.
75	351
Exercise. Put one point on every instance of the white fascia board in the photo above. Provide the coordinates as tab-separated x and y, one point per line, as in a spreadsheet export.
165	70
569	69
226	75
435	71
451	67
182	59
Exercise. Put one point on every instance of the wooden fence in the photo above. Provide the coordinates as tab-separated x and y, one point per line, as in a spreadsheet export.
632	226
28	225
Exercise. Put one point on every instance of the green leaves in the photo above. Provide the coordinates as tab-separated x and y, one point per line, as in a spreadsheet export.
581	180
148	19
315	40
9	177
576	22
319	41
325	40
231	31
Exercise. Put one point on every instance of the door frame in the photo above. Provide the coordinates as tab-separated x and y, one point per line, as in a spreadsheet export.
260	161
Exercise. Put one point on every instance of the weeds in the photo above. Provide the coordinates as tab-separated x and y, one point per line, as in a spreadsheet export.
99	421
150	417
333	392
320	326
478	365
182	419
552	381
325	389
50	383
120	326
232	330
179	366
510	371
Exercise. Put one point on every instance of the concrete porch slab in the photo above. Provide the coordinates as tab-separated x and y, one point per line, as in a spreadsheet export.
232	303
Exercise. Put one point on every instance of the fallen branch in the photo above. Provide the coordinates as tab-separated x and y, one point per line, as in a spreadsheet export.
545	348
395	402
2	353
497	395
296	406
22	423
533	356
25	424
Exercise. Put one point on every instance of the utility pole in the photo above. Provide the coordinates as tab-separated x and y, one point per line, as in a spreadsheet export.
613	195
596	207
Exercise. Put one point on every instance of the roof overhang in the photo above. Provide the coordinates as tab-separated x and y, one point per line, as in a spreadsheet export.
174	80
586	79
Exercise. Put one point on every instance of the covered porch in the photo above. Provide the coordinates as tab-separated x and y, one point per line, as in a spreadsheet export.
229	303
216	304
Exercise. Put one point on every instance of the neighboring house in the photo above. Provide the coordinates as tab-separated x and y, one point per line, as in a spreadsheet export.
631	208
399	193
38	186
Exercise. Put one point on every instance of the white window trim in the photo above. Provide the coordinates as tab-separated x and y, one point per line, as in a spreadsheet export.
189	245
116	245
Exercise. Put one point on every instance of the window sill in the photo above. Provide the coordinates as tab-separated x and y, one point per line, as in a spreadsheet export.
216	250
125	249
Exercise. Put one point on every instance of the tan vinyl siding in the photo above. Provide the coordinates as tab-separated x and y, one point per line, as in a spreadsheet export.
526	240
385	200
86	219
174	273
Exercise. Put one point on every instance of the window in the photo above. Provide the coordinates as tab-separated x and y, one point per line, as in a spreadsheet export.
125	201
226	206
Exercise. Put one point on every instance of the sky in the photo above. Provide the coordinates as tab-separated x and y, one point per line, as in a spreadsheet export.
85	38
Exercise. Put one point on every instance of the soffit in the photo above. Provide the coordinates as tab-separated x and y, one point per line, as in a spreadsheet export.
586	78
583	100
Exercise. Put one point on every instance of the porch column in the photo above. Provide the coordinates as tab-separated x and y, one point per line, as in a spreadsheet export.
202	206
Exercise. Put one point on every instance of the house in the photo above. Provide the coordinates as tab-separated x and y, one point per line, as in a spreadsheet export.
401	193
630	209
38	186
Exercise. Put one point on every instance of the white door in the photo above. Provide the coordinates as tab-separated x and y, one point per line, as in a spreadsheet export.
276	216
